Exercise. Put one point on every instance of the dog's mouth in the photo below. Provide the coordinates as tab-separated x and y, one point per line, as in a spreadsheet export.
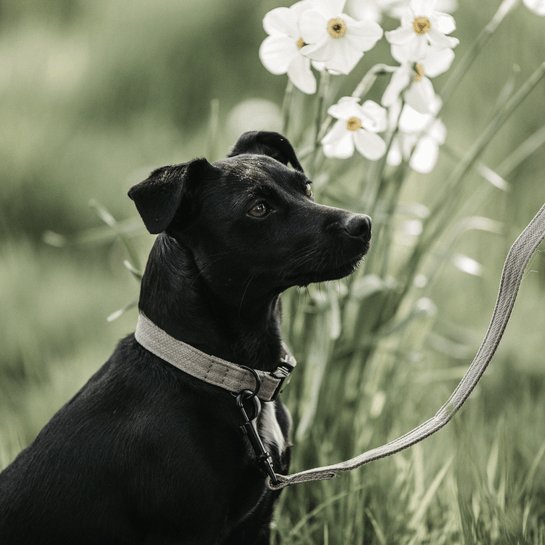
346	269
339	272
324	274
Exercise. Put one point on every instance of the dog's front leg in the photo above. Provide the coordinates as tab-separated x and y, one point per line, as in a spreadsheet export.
256	528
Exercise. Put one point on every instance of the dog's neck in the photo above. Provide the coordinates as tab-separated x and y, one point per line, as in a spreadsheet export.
177	299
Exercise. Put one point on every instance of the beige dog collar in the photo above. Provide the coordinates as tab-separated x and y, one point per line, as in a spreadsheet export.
210	369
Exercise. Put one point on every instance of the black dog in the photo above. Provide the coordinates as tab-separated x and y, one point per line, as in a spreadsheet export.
144	453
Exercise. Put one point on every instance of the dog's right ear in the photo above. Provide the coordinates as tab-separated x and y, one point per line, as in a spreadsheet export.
160	195
268	143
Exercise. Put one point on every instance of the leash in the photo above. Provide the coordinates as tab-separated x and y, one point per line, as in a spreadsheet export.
513	269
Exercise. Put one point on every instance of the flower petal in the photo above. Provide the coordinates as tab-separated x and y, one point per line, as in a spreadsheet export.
277	52
364	11
278	21
335	133
370	145
345	56
412	121
312	26
338	142
419	48
408	142
443	22
364	34
400	53
438	131
329	8
440	41
422	7
301	75
301	6
373	116
346	107
322	51
404	14
317	65
420	95
401	35
437	61
399	81
425	155
393	114
394	155
537	6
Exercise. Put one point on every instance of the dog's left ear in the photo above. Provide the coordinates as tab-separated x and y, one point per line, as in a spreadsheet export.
267	143
161	194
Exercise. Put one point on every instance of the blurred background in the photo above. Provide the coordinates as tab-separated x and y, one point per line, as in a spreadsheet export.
93	95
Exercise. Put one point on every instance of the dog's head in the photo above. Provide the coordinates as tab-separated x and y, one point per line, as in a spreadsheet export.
250	217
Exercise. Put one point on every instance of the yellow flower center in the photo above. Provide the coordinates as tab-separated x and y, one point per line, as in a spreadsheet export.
300	43
336	27
353	123
421	25
419	72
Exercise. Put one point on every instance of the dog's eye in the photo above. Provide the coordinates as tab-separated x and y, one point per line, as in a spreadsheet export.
259	210
308	189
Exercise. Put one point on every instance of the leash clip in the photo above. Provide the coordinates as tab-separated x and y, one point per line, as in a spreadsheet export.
249	428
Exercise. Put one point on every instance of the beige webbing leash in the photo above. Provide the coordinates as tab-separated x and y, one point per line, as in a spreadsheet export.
518	257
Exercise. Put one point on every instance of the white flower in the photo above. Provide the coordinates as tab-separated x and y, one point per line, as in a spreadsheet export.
413	78
281	51
334	38
419	137
421	26
537	6
357	126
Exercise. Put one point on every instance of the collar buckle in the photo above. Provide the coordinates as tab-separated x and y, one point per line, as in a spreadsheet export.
283	374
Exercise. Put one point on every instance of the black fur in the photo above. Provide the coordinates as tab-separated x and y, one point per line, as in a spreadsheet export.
143	453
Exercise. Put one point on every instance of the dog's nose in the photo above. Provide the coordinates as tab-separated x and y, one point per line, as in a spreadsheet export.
358	226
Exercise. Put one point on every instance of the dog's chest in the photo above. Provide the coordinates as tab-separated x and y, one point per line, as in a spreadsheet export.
274	427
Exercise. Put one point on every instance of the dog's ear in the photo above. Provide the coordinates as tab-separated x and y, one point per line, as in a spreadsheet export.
160	195
267	143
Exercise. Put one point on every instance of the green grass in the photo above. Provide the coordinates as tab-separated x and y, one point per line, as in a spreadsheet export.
97	95
477	481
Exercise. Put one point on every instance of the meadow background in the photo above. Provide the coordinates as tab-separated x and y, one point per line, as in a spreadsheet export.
93	95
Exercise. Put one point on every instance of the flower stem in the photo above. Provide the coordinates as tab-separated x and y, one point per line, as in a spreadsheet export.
322	92
370	77
286	107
